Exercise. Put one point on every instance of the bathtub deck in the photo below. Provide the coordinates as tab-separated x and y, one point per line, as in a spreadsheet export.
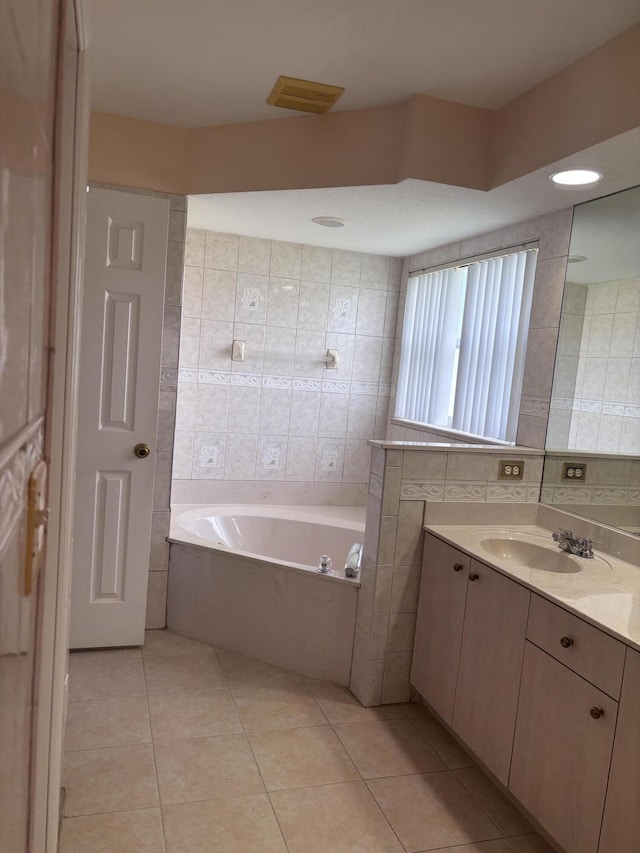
180	747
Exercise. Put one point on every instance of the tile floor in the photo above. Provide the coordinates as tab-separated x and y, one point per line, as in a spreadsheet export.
180	748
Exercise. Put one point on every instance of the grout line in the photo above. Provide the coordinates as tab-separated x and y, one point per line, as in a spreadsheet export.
155	764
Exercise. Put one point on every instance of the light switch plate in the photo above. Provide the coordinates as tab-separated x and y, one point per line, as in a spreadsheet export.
511	469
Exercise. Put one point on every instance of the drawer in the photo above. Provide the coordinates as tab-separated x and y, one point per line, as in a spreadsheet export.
583	648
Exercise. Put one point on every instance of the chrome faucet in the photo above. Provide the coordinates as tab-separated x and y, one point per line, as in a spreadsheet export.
573	544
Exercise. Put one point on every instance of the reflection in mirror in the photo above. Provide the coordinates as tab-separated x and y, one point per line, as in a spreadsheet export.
593	438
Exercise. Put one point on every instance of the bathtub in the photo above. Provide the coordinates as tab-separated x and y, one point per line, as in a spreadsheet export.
245	578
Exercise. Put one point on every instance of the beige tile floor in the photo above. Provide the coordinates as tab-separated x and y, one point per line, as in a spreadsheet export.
180	748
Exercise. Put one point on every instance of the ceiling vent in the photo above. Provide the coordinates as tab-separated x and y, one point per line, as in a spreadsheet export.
294	94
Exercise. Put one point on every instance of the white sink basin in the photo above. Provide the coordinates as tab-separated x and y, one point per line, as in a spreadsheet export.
532	556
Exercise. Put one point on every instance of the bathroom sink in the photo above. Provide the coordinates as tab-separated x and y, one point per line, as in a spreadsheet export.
531	556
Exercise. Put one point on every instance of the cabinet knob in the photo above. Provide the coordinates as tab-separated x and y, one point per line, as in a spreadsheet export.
596	713
458	567
566	642
473	576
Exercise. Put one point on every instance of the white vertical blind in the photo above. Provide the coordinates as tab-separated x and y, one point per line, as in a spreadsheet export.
494	296
429	342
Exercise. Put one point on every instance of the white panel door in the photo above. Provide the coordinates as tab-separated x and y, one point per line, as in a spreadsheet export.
119	381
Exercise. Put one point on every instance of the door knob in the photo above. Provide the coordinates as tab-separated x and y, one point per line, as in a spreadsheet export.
141	451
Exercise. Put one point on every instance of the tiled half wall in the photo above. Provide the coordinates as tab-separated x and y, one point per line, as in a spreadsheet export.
254	428
609	491
464	483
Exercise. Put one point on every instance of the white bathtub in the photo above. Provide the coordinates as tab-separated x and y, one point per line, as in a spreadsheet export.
245	578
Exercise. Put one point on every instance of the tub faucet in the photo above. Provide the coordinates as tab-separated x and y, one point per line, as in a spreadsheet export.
324	566
573	544
354	558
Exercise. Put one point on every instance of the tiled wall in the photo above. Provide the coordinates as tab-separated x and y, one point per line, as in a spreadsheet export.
553	232
610	491
402	481
281	416
596	392
28	37
159	556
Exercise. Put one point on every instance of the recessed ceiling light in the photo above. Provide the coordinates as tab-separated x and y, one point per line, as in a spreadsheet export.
330	221
569	179
576	259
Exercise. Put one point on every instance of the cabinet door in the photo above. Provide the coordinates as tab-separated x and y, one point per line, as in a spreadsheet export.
561	753
443	589
621	826
486	701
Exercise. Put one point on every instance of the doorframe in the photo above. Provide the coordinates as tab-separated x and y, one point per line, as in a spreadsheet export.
69	206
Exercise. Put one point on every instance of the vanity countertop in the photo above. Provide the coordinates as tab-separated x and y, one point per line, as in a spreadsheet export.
604	591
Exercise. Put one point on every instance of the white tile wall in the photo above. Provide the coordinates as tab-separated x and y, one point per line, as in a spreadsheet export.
281	415
595	404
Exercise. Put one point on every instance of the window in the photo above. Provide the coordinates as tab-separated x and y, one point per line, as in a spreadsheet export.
463	345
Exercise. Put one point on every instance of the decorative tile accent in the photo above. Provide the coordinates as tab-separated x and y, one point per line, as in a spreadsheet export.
341	308
214	377
413	490
15	469
210	455
565	494
502	494
330	386
277	382
465	492
330	460
375	486
251	379
538	406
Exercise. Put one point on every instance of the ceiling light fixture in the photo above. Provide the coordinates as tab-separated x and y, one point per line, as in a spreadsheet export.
576	259
330	221
572	179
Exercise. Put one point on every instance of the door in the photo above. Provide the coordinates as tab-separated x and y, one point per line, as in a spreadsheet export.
119	381
443	590
495	623
562	751
621	825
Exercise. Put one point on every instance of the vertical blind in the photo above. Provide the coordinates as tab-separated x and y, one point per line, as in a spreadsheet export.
463	345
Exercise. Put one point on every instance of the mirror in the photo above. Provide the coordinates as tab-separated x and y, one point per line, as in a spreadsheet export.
592	463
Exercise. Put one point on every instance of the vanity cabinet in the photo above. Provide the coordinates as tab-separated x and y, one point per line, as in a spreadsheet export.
443	592
621	824
538	694
562	751
468	649
493	637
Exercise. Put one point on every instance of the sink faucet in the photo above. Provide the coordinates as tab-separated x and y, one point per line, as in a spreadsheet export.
573	544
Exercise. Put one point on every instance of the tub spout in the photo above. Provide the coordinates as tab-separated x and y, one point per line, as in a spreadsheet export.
354	559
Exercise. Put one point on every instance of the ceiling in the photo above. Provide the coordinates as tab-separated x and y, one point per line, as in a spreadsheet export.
200	62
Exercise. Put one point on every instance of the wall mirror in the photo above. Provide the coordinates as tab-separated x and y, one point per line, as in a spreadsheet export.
592	463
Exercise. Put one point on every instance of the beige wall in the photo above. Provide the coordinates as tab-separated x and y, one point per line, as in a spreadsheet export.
591	100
